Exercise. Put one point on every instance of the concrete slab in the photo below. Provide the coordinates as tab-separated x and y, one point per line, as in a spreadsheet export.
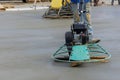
27	42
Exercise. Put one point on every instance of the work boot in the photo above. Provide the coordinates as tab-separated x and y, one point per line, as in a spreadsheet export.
94	41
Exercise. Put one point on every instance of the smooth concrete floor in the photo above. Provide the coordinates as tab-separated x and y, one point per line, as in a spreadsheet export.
27	42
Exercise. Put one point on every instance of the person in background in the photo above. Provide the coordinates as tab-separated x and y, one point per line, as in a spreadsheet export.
96	2
90	2
24	1
112	2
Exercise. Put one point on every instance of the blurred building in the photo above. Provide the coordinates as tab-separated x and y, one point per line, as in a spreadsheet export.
100	1
23	0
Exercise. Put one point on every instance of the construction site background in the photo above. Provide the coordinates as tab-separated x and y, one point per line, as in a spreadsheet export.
100	1
19	3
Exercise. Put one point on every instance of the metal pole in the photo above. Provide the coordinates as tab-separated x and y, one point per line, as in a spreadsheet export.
34	5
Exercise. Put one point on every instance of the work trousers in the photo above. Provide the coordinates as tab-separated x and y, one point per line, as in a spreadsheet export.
76	15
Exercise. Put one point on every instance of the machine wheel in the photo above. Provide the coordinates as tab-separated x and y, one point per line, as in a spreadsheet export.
69	40
68	37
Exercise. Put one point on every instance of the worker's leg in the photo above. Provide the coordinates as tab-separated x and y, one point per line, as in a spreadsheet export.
112	2
95	3
88	20
118	2
75	12
90	2
88	13
90	29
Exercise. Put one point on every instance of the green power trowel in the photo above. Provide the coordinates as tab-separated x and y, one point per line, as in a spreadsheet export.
78	48
79	52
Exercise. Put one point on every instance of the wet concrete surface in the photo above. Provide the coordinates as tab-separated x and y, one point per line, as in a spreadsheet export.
27	42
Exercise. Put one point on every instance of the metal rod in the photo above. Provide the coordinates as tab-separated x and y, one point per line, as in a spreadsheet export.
35	4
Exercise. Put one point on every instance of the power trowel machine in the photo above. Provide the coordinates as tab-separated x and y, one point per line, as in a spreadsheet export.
79	47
